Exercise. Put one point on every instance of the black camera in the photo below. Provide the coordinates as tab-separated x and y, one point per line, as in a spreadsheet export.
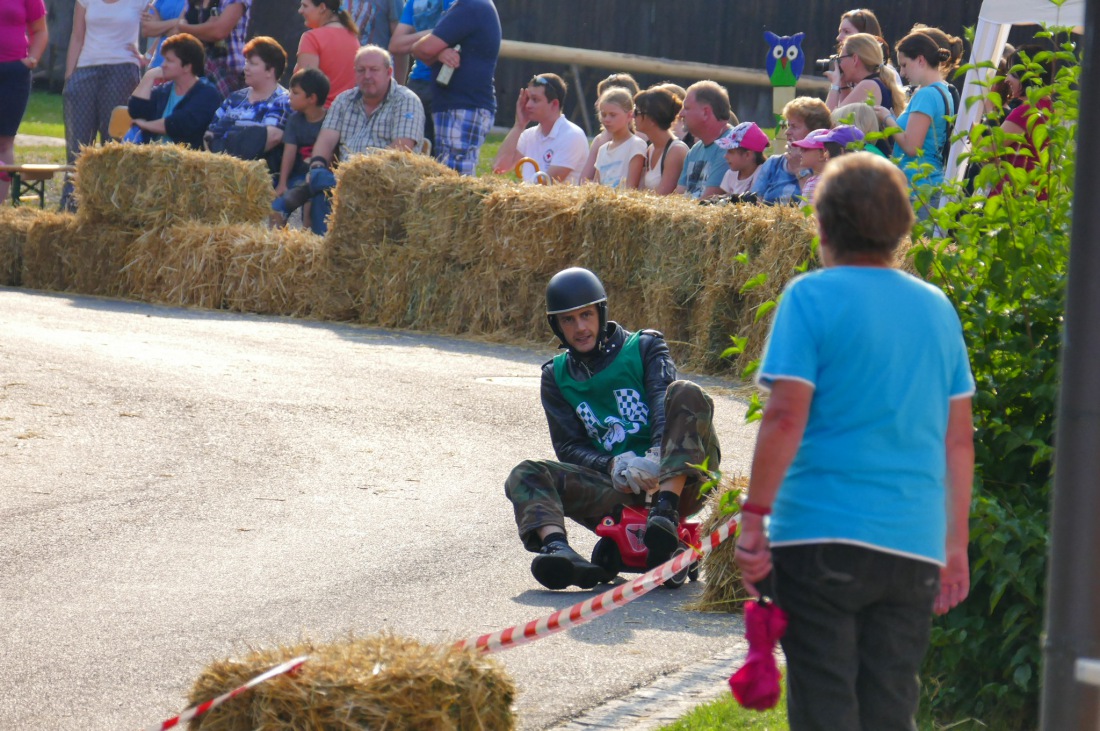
824	64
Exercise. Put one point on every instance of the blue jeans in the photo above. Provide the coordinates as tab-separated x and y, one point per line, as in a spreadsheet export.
860	622
320	184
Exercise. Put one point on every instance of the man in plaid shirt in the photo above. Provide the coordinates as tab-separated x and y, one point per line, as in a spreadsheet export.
378	113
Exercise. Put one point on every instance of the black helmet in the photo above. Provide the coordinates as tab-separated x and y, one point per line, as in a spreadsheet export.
572	289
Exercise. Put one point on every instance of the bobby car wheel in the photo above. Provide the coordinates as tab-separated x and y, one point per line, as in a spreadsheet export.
606	555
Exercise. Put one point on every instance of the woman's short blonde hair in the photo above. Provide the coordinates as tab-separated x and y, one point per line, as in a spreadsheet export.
811	110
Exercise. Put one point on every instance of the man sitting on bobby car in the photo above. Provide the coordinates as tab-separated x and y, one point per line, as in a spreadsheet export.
621	425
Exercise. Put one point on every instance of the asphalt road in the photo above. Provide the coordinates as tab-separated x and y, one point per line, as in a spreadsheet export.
178	486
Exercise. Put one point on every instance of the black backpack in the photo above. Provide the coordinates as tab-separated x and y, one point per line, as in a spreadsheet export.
949	110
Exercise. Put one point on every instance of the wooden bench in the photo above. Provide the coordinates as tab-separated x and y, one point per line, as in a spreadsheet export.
28	181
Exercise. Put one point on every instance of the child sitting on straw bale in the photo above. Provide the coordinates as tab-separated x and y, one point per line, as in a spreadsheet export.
744	148
623	81
622	426
308	90
620	161
814	157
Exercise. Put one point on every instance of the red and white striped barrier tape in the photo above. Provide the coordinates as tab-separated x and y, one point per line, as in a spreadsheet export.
598	606
286	667
563	619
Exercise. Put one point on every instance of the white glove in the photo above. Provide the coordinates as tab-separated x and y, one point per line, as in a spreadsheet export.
631	473
619	464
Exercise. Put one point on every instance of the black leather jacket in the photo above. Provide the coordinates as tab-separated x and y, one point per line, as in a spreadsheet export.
567	433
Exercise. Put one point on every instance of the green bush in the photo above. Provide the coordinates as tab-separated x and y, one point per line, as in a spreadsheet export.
1002	260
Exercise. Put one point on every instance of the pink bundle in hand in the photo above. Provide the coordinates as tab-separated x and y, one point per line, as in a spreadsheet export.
756	684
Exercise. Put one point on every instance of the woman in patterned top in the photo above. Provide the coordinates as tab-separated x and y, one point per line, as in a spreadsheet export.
249	124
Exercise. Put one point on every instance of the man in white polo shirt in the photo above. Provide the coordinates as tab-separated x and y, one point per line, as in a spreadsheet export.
556	144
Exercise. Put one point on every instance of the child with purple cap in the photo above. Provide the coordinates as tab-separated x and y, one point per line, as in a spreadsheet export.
814	157
744	146
841	139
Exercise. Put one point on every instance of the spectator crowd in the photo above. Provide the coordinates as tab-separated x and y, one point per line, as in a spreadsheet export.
208	86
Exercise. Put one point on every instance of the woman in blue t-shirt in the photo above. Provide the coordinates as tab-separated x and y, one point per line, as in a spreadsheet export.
864	461
923	124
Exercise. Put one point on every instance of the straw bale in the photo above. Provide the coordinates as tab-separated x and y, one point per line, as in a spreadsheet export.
418	291
64	254
271	271
155	186
789	243
416	285
15	224
380	682
617	247
535	228
238	267
722	588
445	216
679	237
185	265
47	258
372	194
777	240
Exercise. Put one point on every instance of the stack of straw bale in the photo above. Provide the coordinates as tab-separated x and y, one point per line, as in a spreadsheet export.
240	267
371	196
143	187
15	225
411	245
133	193
722	588
374	683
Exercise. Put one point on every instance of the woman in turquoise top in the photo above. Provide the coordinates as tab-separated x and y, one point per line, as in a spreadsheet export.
923	124
864	460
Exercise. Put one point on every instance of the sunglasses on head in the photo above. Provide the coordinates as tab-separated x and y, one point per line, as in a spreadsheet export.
548	85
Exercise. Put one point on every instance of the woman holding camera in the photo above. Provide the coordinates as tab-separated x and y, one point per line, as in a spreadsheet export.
857	77
865	21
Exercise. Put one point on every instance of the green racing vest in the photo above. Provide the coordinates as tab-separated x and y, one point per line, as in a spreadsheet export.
611	404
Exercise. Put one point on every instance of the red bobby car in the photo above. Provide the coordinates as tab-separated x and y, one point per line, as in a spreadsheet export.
621	546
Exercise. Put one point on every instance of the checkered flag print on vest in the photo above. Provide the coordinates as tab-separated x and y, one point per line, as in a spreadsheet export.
631	406
591	423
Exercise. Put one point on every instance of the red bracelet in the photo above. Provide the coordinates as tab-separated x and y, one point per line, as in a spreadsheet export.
756	509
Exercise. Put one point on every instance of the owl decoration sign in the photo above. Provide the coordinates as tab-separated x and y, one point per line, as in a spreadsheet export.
785	58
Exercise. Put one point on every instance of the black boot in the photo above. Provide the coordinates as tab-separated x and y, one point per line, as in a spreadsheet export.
662	529
558	566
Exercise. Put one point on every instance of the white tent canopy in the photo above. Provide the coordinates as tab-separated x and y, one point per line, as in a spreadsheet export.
995	19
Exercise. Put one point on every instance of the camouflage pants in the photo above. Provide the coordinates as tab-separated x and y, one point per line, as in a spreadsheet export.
544	492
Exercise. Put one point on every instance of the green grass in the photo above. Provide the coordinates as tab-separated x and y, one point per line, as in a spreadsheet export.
725	714
43	116
488	154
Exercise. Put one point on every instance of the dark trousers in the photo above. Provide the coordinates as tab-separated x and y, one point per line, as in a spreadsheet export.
860	621
544	492
425	92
